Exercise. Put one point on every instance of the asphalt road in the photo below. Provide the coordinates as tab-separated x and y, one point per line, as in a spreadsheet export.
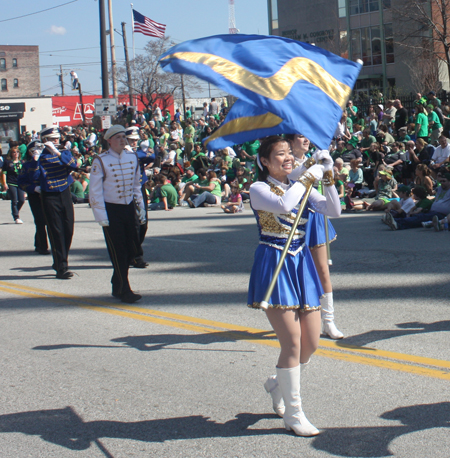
181	372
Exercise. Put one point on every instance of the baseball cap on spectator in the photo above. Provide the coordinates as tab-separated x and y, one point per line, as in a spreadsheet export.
28	134
430	106
404	188
190	168
432	93
114	130
386	173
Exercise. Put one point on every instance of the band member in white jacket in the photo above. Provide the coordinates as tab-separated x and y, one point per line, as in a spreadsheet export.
116	200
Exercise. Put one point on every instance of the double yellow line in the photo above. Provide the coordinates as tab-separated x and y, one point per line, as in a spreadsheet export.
418	365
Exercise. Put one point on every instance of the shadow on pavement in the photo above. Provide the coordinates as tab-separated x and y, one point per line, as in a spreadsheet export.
407	329
161	341
66	428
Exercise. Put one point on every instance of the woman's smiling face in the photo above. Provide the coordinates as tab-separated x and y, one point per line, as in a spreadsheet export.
280	161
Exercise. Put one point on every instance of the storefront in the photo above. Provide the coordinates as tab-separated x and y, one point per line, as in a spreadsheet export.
10	116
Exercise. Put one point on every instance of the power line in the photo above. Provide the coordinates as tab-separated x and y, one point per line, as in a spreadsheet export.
37	12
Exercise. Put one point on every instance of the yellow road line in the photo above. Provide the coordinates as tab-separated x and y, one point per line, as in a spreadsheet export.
332	349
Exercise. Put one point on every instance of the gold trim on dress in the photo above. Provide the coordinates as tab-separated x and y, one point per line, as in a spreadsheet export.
300	308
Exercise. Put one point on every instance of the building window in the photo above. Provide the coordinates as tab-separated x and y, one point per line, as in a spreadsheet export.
342	8
364	6
2	64
366	45
16	82
14	63
4	84
274	14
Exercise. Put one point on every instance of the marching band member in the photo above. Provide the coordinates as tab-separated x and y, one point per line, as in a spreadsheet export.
55	167
294	304
316	240
29	182
145	158
115	197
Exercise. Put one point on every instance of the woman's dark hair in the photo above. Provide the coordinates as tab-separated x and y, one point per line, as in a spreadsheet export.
264	152
13	144
420	192
201	172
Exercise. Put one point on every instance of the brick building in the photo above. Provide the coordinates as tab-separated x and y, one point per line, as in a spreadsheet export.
19	71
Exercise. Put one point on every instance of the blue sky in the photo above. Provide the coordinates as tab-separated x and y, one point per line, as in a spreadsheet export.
69	35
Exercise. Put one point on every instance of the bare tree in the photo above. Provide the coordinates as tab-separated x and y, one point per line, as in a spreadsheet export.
150	82
423	28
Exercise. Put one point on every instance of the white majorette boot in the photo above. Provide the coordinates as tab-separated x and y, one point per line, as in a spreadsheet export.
271	386
327	314
294	418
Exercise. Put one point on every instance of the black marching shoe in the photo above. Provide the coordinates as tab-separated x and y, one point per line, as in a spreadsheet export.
64	274
139	264
129	297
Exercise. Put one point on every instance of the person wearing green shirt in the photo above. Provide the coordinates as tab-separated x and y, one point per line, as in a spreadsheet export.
76	189
367	140
168	196
434	125
210	194
421	125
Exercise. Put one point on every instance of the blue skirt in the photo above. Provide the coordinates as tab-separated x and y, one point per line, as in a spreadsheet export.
298	285
315	230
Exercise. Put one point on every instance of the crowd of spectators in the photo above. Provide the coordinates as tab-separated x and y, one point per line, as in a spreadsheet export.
384	157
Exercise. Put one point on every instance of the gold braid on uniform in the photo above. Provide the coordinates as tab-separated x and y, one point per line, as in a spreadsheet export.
328	178
309	162
307	180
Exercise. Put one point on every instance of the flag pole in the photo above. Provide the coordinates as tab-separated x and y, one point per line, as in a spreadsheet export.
134	55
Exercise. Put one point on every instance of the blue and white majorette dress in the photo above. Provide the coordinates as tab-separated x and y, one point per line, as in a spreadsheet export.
315	230
298	285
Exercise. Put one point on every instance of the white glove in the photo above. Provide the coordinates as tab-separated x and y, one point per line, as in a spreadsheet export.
104	223
142	215
51	146
317	171
36	155
37	189
323	156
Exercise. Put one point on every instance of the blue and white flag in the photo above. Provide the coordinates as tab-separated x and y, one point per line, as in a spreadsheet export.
306	86
246	122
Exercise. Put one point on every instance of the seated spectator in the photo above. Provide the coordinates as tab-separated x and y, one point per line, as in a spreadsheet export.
339	151
385	185
396	158
373	163
422	178
367	140
383	136
400	208
351	153
355	176
439	208
234	204
167	194
423	204
207	195
441	155
342	171
169	155
403	135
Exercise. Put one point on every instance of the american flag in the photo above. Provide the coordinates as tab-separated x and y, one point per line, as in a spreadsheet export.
148	27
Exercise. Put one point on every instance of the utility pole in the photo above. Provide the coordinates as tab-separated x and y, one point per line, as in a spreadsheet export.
61	79
103	50
113	50
81	103
184	98
127	62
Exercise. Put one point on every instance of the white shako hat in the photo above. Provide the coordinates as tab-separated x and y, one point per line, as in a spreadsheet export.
113	130
50	132
132	133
